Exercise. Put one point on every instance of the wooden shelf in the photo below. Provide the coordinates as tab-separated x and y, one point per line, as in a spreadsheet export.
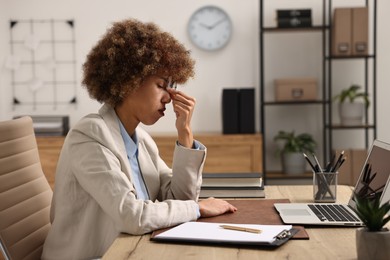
295	29
351	126
281	175
306	102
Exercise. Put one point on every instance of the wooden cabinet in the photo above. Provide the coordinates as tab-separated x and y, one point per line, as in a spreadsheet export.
225	153
49	150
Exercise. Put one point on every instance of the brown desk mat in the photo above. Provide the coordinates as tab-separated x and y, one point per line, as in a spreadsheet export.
261	212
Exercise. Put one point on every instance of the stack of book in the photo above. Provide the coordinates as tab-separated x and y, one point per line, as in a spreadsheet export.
291	18
232	185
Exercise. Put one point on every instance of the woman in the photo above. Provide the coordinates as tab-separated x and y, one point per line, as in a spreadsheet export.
110	178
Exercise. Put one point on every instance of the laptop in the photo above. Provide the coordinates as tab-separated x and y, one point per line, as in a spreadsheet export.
336	214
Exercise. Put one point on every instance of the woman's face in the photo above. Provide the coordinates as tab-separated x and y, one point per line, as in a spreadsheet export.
147	104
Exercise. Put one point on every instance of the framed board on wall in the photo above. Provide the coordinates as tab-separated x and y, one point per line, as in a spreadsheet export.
42	62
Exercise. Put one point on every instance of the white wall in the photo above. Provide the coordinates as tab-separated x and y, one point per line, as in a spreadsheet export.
234	66
237	65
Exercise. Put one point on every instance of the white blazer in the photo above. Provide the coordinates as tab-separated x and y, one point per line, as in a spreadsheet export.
94	198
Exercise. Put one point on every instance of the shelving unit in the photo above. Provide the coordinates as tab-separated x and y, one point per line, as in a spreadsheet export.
324	104
369	127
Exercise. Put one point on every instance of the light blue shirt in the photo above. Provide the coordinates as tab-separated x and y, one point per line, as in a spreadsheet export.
131	145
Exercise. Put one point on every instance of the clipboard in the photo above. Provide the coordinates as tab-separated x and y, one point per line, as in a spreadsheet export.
260	211
212	233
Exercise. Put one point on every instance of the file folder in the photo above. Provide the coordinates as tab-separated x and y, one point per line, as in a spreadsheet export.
341	32
360	31
230	111
238	111
247	110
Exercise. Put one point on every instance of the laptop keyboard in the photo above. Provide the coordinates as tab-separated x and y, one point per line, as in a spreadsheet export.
332	212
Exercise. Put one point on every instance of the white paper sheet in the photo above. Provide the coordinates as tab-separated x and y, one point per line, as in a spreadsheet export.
200	231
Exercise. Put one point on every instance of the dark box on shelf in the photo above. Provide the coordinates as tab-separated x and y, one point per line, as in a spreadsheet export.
291	18
289	13
295	22
296	89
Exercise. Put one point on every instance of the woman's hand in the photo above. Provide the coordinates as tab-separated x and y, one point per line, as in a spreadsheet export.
213	207
183	106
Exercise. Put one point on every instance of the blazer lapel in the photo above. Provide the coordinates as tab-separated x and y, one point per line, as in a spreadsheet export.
148	171
109	116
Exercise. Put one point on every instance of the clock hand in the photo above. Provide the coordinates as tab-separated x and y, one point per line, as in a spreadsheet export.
215	24
206	26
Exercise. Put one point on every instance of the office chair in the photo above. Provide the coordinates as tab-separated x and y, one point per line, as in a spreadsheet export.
25	194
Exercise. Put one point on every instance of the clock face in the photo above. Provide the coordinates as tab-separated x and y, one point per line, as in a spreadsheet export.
210	28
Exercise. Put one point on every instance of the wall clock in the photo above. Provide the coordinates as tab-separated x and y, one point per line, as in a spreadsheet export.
210	28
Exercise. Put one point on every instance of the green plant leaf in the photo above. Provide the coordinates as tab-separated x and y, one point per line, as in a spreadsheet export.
351	94
371	212
295	143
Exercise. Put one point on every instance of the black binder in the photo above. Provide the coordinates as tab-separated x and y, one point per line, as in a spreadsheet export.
230	111
238	111
247	111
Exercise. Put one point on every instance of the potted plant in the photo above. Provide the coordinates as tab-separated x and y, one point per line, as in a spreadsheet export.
373	240
293	161
351	111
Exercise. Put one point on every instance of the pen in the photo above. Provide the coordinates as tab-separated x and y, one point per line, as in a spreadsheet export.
329	166
338	160
311	164
318	163
251	230
341	163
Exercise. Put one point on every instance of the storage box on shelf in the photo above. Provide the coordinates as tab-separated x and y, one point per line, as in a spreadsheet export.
296	89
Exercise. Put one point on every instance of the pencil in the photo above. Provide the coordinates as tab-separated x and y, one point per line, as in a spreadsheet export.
311	164
330	164
338	161
244	229
318	163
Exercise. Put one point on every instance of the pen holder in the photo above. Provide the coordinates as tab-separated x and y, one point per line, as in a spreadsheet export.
325	186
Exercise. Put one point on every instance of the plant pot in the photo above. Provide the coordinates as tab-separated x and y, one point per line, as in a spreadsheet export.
372	245
293	163
351	113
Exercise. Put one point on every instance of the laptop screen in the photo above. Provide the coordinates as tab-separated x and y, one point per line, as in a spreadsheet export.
374	178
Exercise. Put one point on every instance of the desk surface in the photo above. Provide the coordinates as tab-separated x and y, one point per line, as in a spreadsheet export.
324	243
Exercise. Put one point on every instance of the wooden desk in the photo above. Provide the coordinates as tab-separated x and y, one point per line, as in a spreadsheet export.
324	243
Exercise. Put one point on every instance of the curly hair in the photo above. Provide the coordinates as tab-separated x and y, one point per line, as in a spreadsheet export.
129	52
